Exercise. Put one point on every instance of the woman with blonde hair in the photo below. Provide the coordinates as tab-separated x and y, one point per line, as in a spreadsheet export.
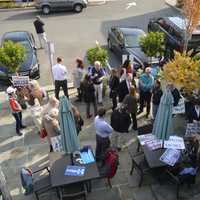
130	101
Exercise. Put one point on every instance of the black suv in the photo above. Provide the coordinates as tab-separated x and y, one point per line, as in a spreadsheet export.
174	30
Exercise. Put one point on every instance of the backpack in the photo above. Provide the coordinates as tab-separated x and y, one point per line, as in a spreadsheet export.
27	180
111	163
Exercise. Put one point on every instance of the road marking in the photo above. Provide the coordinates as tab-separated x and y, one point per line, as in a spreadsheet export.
129	5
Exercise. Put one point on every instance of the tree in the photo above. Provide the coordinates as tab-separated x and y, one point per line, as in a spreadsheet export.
12	55
97	53
152	44
183	71
191	12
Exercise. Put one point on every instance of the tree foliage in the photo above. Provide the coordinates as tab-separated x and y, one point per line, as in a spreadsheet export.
183	71
97	53
12	55
152	44
191	12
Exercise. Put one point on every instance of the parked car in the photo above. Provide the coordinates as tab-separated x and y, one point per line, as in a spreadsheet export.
174	31
30	66
125	41
46	6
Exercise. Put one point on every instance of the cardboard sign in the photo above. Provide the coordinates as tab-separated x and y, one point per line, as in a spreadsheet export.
192	128
19	81
72	170
174	142
180	108
170	156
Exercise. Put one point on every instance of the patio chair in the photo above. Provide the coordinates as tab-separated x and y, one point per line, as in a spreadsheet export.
144	130
73	191
43	184
139	164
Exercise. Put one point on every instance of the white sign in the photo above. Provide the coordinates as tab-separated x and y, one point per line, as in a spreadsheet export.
174	142
170	156
145	138
19	81
56	143
192	128
180	108
154	144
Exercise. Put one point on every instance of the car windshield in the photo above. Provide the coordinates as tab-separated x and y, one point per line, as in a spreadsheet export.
132	40
27	47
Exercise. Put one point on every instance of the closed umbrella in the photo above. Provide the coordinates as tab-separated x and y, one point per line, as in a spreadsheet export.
69	138
162	127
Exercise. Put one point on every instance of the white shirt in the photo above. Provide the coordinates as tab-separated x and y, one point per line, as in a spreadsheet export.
197	109
59	72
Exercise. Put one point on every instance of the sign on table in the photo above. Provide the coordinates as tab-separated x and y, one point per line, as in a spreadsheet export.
174	142
72	170
192	128
56	143
170	156
19	81
145	138
154	144
180	108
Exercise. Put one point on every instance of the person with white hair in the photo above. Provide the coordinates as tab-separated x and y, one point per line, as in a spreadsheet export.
97	78
146	83
15	109
39	27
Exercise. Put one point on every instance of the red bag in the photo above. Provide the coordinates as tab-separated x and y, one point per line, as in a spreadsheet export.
43	133
111	162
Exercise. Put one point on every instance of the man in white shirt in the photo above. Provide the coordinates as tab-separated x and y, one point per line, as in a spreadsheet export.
60	77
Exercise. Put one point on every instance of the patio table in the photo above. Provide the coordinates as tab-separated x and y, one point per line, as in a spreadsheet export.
59	162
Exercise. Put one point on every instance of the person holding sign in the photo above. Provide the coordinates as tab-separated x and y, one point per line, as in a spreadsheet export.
15	109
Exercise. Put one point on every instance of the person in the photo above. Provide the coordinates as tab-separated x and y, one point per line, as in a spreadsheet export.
127	66
97	77
39	27
146	82
193	113
89	95
120	122
103	131
156	96
52	103
15	109
175	93
51	125
78	76
78	119
60	77
114	85
124	87
130	101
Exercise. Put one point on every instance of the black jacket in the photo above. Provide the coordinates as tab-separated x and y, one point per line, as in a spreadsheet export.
157	94
123	90
39	26
88	92
120	121
176	95
192	114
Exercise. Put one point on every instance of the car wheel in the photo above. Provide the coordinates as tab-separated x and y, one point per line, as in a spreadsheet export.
46	10
110	45
78	8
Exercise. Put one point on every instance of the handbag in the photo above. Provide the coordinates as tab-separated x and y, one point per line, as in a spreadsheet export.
43	133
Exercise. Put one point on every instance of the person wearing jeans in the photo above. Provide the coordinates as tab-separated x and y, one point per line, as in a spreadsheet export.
15	109
59	75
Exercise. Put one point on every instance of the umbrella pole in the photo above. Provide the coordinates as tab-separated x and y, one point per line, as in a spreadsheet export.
71	157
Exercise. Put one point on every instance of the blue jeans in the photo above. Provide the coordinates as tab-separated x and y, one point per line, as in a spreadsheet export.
155	110
18	119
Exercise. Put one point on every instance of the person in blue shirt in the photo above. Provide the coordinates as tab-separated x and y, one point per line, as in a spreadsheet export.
103	131
146	82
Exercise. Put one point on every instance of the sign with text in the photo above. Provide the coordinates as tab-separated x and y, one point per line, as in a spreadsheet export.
154	144
170	156
174	142
180	108
192	128
145	138
72	170
19	81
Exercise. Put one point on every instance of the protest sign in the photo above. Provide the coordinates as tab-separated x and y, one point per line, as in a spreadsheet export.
180	108
174	142
56	143
170	156
192	128
72	170
145	138
19	81
154	144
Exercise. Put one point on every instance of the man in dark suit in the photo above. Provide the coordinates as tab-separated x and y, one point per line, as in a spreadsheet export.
124	87
194	111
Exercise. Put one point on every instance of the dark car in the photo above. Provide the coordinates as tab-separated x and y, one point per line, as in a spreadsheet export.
30	66
174	31
125	41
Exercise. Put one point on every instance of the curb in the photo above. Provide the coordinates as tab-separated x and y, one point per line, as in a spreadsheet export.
173	6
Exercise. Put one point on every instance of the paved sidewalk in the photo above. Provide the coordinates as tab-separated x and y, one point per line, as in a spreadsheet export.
31	151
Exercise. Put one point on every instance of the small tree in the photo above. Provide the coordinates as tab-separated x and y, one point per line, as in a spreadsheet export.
12	55
184	72
152	44
97	53
191	12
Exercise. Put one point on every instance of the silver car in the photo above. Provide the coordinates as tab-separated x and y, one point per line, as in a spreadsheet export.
46	6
